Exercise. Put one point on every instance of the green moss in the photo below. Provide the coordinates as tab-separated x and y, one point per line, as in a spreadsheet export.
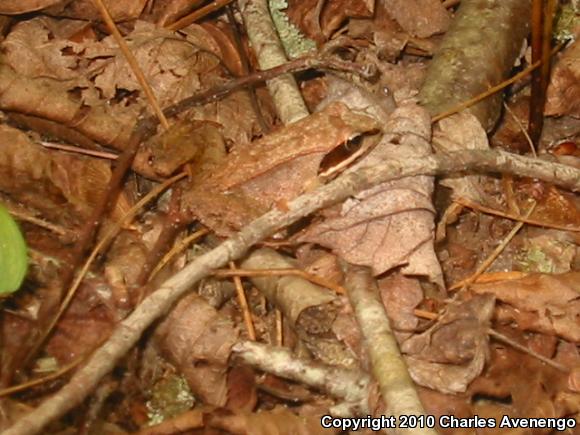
535	260
567	19
170	397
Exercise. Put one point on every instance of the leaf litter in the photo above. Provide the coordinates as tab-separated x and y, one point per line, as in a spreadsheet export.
64	80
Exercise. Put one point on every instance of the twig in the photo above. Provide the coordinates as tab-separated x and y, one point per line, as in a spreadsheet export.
132	62
492	90
246	68
177	249
24	215
350	385
387	364
112	232
128	332
483	209
243	304
516	345
522	129
496	252
198	14
79	150
264	39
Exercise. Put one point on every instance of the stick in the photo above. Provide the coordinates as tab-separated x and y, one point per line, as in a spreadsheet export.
160	302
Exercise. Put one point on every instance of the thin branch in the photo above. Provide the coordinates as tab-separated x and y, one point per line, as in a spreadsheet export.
349	385
111	233
301	64
128	332
198	14
527	350
264	39
491	211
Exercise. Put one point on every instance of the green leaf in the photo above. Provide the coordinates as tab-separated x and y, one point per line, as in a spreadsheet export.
13	258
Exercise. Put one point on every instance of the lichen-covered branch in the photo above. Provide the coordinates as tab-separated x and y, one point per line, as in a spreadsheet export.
265	42
387	364
350	385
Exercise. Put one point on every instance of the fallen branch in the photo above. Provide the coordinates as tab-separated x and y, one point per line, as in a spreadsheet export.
350	385
387	364
158	303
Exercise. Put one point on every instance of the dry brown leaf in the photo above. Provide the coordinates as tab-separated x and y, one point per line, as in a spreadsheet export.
388	37
421	18
120	10
242	392
389	225
15	7
400	296
175	68
166	12
89	319
563	96
198	340
457	132
531	388
544	303
333	14
279	421
452	353
554	205
90	87
46	180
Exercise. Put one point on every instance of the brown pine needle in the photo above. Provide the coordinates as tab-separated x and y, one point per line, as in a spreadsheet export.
127	217
177	249
243	304
496	252
483	209
51	377
521	348
492	90
79	150
504	339
24	215
198	14
522	129
277	272
132	62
